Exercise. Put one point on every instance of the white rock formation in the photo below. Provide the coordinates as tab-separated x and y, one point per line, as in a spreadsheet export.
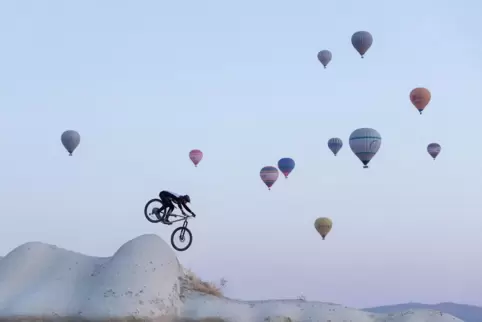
143	278
140	279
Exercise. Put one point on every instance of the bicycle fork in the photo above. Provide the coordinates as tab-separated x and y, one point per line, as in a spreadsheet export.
181	236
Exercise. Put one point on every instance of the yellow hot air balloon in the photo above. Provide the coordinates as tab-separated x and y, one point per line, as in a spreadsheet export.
323	226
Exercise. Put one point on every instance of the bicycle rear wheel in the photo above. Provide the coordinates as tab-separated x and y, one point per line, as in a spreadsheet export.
181	235
148	210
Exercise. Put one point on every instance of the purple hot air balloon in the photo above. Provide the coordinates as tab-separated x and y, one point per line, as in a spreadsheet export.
269	175
434	149
196	156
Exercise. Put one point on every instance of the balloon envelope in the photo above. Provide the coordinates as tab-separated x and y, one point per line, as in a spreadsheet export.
324	57
195	156
335	145
70	140
420	97
269	175
434	149
362	41
286	165
365	143
323	226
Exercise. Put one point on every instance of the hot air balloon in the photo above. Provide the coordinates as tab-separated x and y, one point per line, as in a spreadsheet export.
196	156
323	226
335	145
420	98
286	165
269	175
70	140
324	57
362	41
434	149
365	143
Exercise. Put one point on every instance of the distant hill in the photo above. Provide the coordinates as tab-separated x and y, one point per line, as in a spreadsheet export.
467	313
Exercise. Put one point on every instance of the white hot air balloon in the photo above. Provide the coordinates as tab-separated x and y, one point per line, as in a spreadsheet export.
365	143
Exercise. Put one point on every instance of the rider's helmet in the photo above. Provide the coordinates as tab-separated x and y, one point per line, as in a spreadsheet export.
187	198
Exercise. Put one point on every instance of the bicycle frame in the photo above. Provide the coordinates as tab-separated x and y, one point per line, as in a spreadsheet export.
184	225
184	217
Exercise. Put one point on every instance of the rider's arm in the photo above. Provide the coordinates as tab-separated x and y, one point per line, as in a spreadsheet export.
180	207
187	208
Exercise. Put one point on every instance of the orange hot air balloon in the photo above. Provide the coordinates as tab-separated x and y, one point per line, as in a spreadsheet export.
420	98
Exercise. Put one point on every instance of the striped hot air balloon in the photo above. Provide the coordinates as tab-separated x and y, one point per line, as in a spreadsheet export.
365	143
434	149
335	145
269	175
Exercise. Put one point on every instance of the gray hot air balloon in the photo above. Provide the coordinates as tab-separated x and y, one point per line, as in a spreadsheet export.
335	144
434	149
324	57
365	143
362	41
70	139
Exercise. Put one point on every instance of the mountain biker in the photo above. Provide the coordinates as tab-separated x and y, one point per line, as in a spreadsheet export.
168	200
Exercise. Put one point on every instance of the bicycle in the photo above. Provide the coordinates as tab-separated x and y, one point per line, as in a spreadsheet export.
183	230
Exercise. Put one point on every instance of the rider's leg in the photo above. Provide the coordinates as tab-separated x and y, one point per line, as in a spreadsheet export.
165	203
159	211
170	209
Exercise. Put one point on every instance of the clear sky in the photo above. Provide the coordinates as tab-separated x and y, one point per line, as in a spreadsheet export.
144	82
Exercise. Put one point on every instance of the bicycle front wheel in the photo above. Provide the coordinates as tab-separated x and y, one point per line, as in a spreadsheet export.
181	239
148	210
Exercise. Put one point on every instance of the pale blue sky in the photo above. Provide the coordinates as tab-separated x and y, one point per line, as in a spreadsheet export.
144	82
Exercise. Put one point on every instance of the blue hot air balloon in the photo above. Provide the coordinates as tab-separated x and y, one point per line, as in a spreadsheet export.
362	41
286	165
335	144
324	57
70	140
